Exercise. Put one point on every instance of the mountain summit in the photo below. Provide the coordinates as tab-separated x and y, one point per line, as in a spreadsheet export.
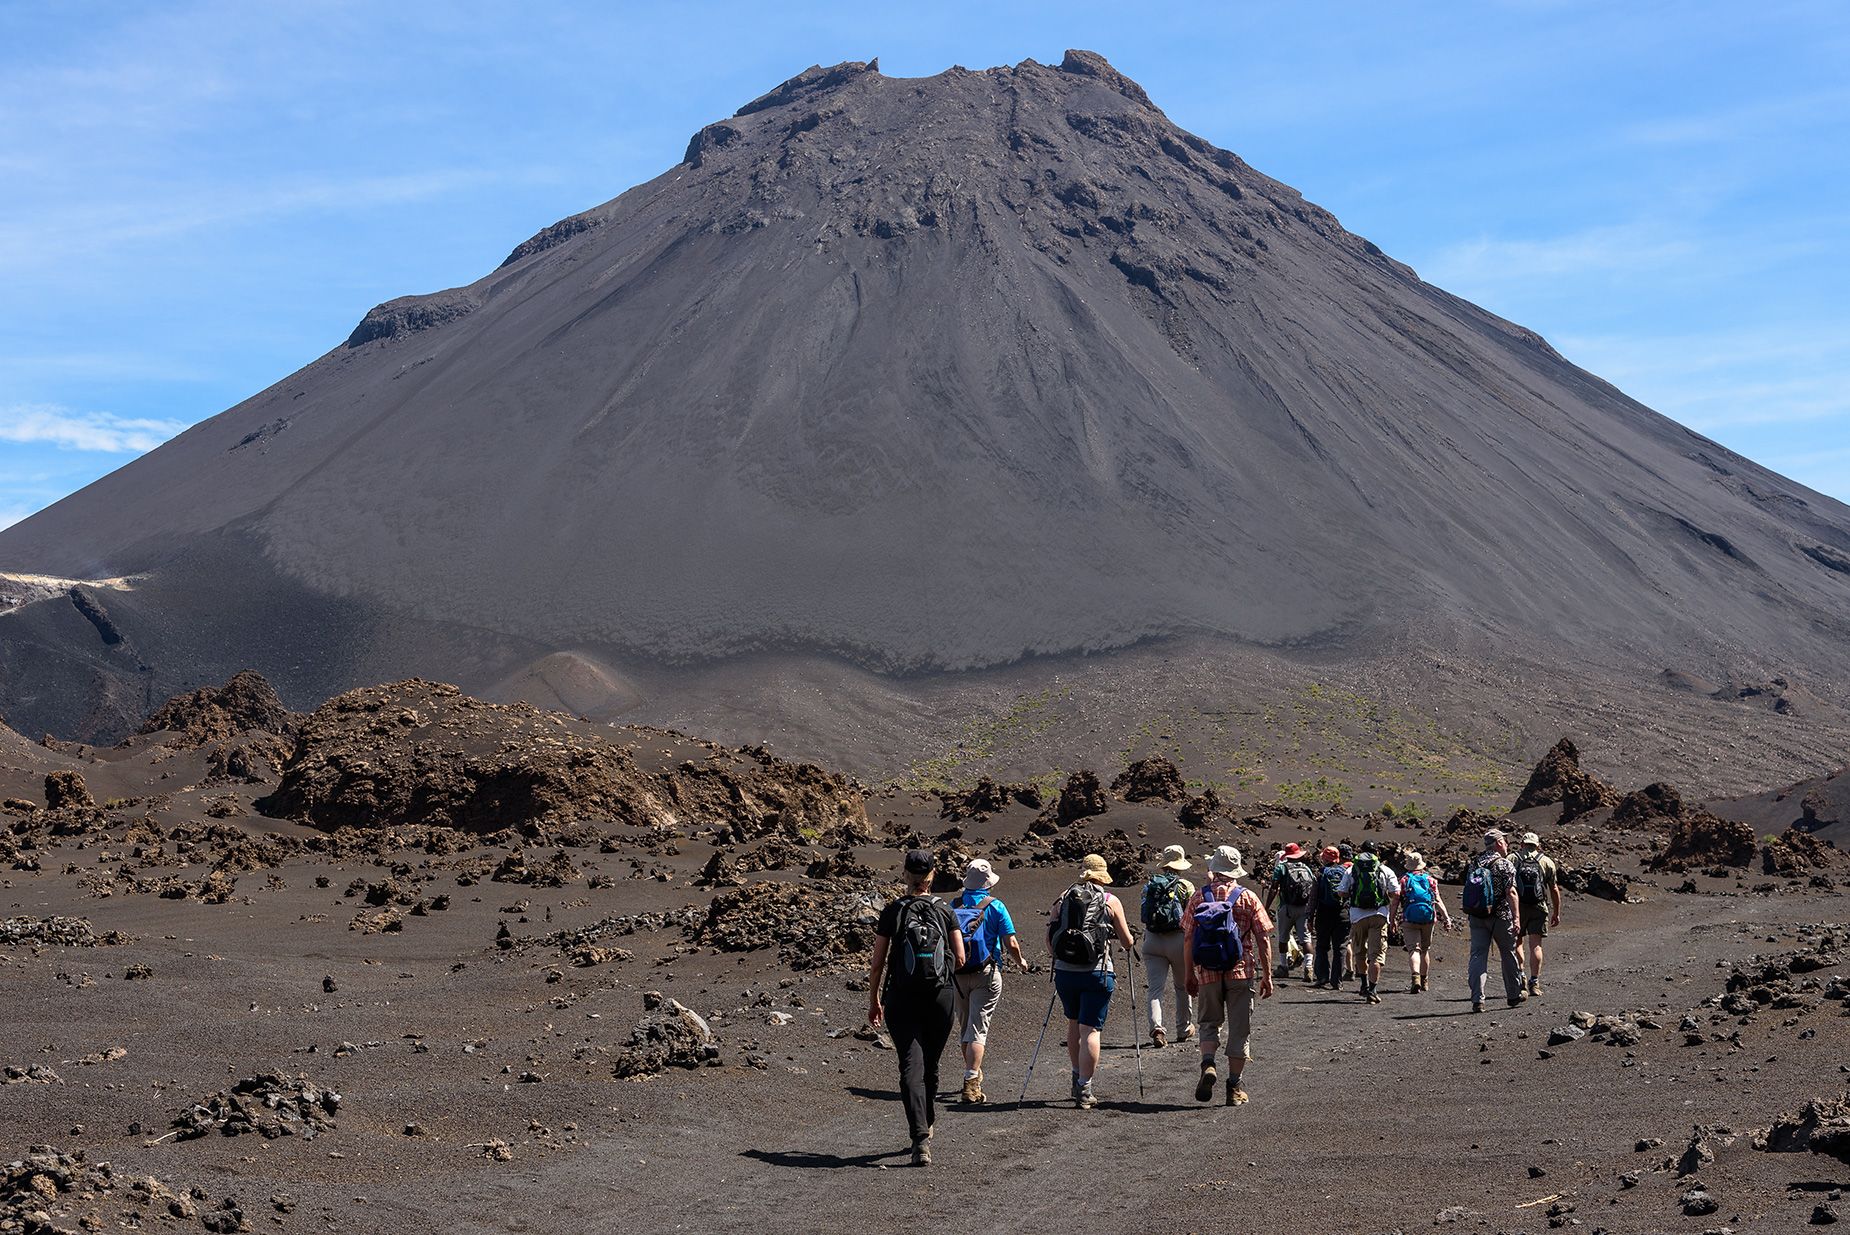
930	375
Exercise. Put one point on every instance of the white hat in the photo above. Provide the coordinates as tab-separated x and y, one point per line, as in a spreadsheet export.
1530	838
980	875
1174	859
1226	861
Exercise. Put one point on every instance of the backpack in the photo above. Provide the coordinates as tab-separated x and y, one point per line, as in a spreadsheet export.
1531	881
1218	945
1163	903
1297	882
1329	886
1367	894
921	951
1481	892
980	944
1078	936
1416	897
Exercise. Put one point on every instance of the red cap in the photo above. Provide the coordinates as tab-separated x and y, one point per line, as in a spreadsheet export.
1331	853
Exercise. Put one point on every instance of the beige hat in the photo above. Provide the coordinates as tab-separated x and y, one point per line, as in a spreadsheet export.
1414	861
980	875
1226	861
1093	868
1174	859
1530	838
1492	837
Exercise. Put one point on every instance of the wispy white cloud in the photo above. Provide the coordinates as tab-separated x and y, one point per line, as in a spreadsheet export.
1627	248
1746	121
33	240
68	429
1767	375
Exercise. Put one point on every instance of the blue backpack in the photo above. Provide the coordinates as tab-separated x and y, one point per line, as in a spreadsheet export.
1218	946
1416	897
981	946
1481	890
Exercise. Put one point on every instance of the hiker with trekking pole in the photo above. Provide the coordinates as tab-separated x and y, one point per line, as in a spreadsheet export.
917	949
1080	930
1228	951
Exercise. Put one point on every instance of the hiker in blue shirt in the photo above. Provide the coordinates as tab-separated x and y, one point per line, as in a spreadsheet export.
987	931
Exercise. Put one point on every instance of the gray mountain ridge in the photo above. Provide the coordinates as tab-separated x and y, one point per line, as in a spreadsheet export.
929	375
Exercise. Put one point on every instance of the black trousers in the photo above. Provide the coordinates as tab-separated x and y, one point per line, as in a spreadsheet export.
920	1025
1332	930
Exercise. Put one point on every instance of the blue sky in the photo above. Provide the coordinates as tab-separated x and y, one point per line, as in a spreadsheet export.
202	197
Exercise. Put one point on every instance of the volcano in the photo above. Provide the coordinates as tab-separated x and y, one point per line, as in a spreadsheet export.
920	376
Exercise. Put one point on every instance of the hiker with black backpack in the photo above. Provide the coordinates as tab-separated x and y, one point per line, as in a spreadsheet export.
1538	892
1294	886
1490	906
987	930
1165	895
1373	890
917	949
1229	958
1331	920
1420	906
1080	929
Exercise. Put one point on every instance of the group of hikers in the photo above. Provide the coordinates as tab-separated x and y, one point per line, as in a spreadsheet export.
937	965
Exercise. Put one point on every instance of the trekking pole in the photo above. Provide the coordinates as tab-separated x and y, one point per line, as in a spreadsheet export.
1045	1021
1136	1025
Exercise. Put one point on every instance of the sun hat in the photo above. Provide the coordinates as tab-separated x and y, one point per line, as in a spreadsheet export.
1330	854
1530	838
1492	837
919	862
1174	859
1414	861
1292	850
1226	861
1092	868
980	875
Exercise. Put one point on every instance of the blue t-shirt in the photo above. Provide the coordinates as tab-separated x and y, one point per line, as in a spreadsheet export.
996	921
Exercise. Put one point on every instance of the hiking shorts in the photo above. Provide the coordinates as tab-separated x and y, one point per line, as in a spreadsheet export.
1368	940
1085	996
1226	1002
977	996
1534	921
1418	936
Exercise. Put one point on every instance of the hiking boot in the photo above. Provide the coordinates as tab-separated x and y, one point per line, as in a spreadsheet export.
1187	1034
1204	1088
1083	1098
1517	1002
921	1151
1372	997
1535	986
1158	1038
1413	988
1477	1005
1235	1095
973	1087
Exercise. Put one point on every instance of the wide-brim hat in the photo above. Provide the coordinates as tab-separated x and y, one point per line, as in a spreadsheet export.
980	875
1414	861
1174	859
1293	850
1226	861
1092	868
1331	854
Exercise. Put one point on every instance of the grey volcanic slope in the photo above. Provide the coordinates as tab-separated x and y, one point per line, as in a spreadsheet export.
930	374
